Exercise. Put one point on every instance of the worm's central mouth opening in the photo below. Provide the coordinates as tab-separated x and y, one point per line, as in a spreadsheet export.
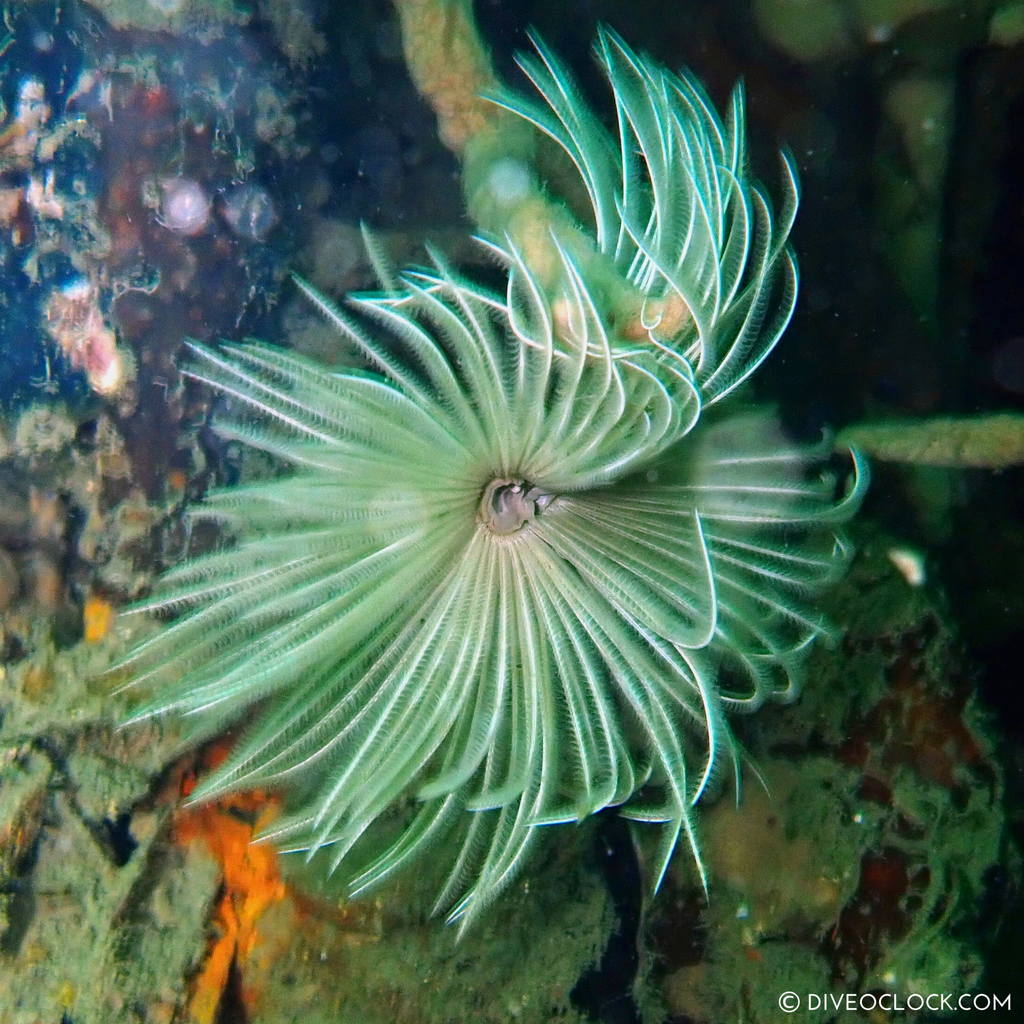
508	504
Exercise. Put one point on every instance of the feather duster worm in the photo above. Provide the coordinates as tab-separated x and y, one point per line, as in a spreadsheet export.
521	570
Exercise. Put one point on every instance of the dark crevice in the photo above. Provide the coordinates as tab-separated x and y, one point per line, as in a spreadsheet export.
111	835
232	1007
121	841
20	904
605	992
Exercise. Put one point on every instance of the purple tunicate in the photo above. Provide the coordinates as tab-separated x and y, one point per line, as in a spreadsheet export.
249	211
184	206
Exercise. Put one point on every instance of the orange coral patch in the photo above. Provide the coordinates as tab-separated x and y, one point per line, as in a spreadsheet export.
251	884
96	619
176	481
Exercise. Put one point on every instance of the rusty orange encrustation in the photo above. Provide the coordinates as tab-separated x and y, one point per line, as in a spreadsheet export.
97	617
251	883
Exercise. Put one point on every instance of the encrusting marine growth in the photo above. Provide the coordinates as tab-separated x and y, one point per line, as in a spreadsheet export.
524	565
